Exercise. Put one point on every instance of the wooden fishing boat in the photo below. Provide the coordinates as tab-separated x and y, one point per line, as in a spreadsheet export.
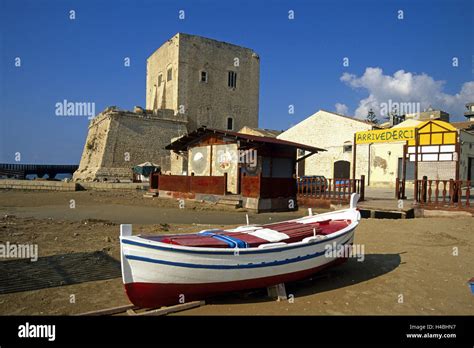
170	269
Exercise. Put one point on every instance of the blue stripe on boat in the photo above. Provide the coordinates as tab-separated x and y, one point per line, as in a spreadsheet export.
270	250
250	265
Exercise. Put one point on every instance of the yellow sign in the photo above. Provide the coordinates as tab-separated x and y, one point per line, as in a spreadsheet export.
385	135
435	133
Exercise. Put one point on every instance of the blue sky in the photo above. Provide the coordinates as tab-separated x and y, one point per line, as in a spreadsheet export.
301	59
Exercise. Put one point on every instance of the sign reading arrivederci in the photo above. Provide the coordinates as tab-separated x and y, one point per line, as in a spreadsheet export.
385	135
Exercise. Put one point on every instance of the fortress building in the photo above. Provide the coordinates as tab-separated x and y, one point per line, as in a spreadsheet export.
191	81
213	83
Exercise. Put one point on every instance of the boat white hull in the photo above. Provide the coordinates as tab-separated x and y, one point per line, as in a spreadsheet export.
157	274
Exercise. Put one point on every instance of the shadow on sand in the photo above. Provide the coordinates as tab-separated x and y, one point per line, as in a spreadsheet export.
57	270
347	274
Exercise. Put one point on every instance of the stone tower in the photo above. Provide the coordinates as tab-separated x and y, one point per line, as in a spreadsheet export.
212	83
191	81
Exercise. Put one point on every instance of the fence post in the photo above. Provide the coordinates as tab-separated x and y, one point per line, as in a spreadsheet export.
451	191
225	183
362	187
459	191
397	188
468	194
429	191
423	190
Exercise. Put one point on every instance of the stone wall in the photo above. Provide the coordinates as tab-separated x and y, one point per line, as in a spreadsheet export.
383	163
467	151
119	140
179	163
109	186
69	186
437	170
211	103
37	185
164	96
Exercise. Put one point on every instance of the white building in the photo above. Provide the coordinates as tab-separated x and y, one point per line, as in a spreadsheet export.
335	133
380	162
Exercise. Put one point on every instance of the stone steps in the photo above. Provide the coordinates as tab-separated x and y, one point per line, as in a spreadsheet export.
235	202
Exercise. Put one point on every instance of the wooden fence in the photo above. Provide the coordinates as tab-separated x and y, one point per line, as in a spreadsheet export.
216	185
336	190
445	194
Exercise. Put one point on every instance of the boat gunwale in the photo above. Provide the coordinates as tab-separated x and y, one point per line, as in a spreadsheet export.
150	244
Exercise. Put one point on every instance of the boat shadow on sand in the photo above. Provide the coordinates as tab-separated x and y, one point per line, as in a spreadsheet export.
56	270
341	276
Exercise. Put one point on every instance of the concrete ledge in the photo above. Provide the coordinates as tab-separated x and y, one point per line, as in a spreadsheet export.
387	214
110	186
427	213
261	205
37	185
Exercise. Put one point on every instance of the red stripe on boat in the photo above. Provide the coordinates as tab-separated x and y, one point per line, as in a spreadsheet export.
149	295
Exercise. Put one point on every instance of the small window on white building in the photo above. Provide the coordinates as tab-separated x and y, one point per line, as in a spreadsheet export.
230	123
203	76
232	79
169	74
160	79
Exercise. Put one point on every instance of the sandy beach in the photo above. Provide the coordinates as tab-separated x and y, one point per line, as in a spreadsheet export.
418	266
